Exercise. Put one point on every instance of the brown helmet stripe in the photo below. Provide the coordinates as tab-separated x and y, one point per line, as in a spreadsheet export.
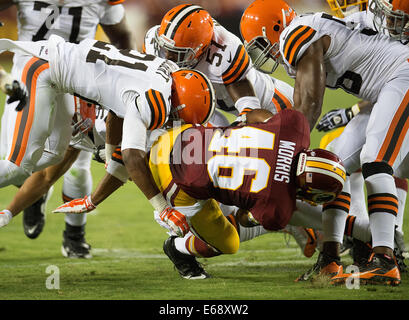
178	18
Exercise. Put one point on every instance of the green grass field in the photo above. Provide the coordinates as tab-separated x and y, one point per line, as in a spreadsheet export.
128	262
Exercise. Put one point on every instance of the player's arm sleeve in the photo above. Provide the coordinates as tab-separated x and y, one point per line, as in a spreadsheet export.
148	112
134	135
296	42
238	67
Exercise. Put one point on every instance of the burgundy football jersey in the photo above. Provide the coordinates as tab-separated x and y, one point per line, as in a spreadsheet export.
249	166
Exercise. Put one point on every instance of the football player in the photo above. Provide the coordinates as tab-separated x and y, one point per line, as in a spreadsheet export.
74	21
190	37
260	168
371	16
317	58
141	89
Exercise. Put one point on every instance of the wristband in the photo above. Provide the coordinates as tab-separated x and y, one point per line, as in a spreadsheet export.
109	150
158	202
250	102
355	109
8	213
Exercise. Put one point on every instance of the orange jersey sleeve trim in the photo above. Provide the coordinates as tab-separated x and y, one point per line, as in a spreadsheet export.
237	67
114	2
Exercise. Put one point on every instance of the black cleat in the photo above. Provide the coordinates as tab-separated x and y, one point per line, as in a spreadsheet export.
185	264
380	269
34	218
360	252
74	244
326	266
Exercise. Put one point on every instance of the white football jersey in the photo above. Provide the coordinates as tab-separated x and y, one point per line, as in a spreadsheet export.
225	62
73	20
117	74
358	60
364	18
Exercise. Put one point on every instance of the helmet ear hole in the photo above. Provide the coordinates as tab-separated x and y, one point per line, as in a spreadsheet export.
276	28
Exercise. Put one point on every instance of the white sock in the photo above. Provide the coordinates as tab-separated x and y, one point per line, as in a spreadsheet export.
334	216
358	198
381	191
180	244
76	219
402	194
250	233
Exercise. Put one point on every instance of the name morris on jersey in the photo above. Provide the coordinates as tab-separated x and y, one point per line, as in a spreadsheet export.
285	157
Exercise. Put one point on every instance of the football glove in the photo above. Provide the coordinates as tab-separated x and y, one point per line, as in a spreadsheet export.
5	218
336	118
99	154
175	220
17	91
82	205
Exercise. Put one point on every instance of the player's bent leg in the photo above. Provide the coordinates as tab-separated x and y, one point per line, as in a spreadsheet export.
33	195
214	228
10	174
186	264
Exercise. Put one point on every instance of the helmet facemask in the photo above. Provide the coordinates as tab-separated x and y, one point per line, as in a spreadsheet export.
265	56
344	8
166	49
394	23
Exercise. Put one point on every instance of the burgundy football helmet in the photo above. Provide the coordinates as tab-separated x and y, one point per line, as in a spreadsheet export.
320	176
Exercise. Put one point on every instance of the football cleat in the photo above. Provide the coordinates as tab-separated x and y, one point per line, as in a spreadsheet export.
360	252
306	239
34	217
346	246
187	265
74	244
380	269
327	266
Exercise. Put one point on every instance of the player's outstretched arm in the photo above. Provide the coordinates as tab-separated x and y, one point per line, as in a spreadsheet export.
37	185
138	169
340	117
107	186
119	35
310	81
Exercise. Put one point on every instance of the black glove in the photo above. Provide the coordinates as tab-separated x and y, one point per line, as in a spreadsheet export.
17	92
334	119
99	154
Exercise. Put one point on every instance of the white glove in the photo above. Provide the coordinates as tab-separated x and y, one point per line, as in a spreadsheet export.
337	118
163	224
82	205
5	218
175	220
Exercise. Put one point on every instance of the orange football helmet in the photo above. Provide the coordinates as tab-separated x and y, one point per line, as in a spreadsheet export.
343	8
392	18
260	26
184	34
193	97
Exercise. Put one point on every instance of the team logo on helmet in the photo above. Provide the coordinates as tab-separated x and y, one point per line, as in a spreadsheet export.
320	176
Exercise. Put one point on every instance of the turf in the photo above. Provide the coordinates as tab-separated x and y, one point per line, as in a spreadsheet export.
128	262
